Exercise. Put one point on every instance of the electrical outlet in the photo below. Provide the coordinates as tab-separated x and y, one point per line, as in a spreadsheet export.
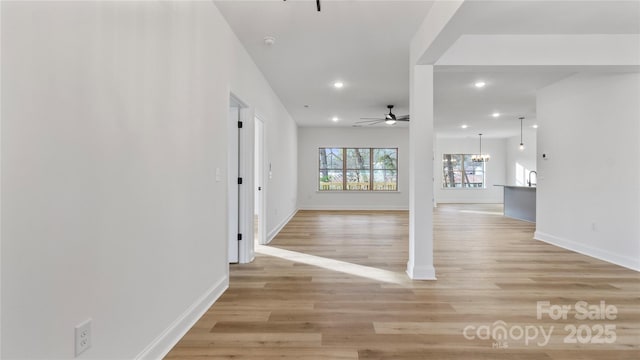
83	336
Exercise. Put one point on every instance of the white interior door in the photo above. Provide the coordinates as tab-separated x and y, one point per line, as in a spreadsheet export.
259	204
233	193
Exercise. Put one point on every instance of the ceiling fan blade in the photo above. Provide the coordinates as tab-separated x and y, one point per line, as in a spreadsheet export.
403	118
369	122
372	118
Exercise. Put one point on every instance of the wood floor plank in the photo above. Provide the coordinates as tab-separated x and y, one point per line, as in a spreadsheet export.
332	286
262	353
250	339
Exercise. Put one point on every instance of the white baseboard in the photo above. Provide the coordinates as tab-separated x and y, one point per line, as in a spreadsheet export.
280	226
421	272
354	207
600	254
171	335
473	201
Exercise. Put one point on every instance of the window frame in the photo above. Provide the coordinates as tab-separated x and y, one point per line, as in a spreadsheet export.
370	170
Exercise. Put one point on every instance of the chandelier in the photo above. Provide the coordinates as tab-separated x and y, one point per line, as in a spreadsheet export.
480	157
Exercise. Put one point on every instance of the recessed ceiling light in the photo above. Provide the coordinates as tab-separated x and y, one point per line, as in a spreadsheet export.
480	84
464	126
335	119
338	84
535	126
496	114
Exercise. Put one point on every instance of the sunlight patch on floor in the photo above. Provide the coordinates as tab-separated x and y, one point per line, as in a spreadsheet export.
334	265
499	213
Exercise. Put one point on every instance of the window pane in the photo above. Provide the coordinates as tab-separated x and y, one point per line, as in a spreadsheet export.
331	158
474	173
358	158
385	180
358	179
385	158
330	180
452	170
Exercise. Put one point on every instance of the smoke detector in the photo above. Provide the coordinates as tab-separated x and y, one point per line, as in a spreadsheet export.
269	40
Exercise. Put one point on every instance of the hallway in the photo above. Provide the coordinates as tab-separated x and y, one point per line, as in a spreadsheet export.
332	286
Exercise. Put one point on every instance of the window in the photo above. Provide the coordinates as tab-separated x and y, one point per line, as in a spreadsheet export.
459	171
358	169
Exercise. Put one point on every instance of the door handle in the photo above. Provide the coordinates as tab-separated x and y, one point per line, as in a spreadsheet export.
259	188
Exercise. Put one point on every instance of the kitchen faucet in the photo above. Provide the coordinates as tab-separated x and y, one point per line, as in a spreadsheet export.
529	181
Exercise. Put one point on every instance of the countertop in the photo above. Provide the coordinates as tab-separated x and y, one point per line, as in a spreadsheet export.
518	186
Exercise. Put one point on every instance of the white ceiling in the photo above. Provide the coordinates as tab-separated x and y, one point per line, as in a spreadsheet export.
365	44
511	94
549	17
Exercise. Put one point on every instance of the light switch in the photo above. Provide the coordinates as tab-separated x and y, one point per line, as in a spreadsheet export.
218	175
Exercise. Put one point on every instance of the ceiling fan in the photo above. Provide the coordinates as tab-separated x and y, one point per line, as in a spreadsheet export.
389	119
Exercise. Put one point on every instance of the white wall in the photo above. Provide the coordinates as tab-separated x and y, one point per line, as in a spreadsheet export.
282	158
519	163
588	189
114	119
495	170
312	138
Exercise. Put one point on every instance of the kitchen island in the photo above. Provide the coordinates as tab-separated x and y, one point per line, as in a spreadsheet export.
520	202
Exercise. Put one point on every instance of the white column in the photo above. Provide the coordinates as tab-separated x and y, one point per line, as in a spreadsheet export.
420	265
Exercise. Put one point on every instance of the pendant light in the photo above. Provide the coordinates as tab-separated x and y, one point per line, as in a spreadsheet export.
480	157
521	143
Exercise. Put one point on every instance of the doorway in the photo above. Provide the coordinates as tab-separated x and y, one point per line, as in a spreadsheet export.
259	224
243	182
233	193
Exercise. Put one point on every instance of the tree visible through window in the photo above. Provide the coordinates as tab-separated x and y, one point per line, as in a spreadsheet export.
385	169
459	171
358	169
331	169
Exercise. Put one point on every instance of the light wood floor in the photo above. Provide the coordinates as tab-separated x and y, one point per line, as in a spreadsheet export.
332	286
